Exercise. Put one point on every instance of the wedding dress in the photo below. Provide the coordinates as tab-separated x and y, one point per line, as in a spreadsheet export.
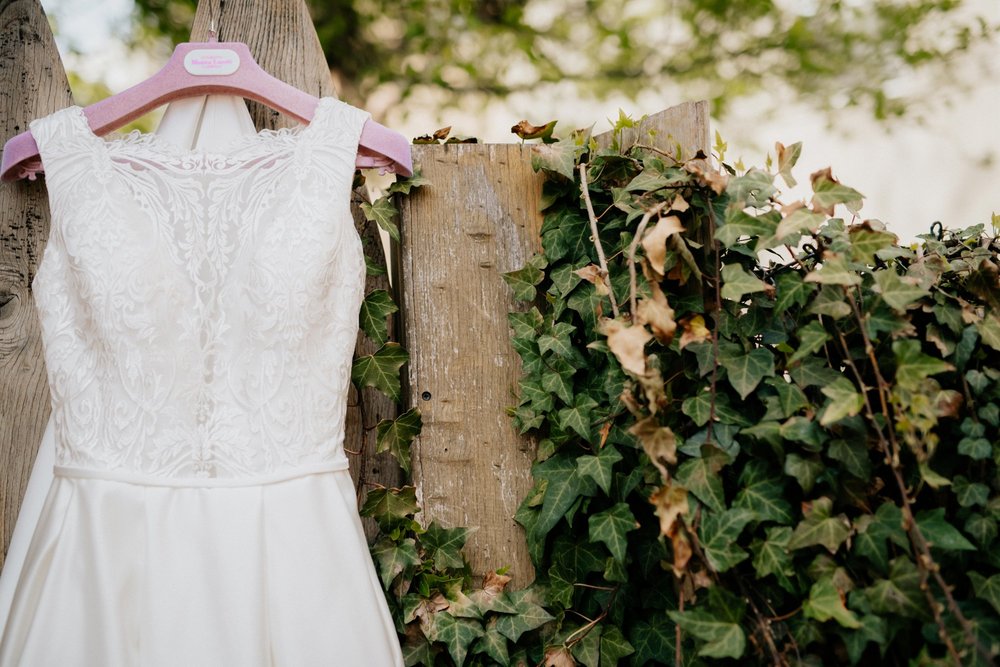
199	311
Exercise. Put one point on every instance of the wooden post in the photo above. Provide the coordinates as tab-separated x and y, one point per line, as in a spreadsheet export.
32	84
478	218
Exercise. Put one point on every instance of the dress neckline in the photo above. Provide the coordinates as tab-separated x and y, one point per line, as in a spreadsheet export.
169	150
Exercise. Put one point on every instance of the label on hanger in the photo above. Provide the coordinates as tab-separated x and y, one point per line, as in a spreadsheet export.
211	62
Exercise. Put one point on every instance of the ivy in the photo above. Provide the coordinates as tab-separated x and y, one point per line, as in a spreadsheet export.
764	431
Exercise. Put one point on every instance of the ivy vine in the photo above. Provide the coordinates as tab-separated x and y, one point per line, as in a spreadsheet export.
765	434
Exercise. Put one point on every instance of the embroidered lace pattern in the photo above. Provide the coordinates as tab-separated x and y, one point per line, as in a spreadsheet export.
200	309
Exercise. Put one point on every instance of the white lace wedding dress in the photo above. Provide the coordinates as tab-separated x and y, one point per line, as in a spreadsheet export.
199	313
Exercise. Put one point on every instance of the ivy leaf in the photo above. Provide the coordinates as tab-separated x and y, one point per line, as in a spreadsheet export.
723	638
653	640
866	242
528	616
578	416
896	291
745	371
523	281
834	271
826	602
819	527
456	634
803	470
493	644
557	340
787	157
719	533
558	379
404	185
940	533
912	366
389	506
599	467
612	527
969	494
614	646
559	157
854	455
396	435
830	301
736	282
987	589
828	192
394	557
900	594
374	309
989	330
764	496
383	213
740	224
771	556
844	401
444	545
791	291
812	337
796	223
565	485
381	370
700	477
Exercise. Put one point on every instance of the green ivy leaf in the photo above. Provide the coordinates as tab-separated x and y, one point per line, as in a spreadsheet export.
723	638
374	309
493	644
771	556
745	371
830	300
989	330
578	416
797	223
763	495
653	639
381	370
612	527
844	401
912	366
791	291
898	292
826	602
383	213
719	533
559	157
700	477
866	242
900	594
396	435
523	281
528	616
389	506
736	282
444	545
827	193
599	467
740	224
803	470
587	651
812	338
456	634
987	589
614	646
854	455
565	485
393	558
940	533
834	271
820	527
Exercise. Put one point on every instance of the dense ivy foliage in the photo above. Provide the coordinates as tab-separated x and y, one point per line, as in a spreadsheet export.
765	433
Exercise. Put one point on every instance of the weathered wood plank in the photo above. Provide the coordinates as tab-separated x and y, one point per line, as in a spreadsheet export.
32	84
476	220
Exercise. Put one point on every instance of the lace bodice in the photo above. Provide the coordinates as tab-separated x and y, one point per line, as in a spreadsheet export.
199	310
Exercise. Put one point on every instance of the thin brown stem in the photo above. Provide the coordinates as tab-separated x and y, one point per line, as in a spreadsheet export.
585	190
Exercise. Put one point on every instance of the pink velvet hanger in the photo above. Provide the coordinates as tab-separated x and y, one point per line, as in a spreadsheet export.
379	146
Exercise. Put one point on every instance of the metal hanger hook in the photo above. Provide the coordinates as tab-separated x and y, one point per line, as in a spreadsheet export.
212	35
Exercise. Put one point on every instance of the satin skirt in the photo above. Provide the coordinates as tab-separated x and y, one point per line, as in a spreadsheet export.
272	575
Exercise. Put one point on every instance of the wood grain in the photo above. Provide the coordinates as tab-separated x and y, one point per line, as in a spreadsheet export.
32	84
475	221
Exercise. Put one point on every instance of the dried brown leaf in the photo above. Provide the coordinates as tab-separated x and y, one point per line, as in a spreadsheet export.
708	176
627	343
654	241
669	503
658	314
559	656
693	330
659	443
592	274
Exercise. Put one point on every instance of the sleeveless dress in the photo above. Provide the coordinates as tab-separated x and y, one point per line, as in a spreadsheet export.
199	313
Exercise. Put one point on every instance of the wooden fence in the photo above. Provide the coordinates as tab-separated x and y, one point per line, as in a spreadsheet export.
477	219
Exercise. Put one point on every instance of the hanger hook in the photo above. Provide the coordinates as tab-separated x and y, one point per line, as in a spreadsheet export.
212	35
